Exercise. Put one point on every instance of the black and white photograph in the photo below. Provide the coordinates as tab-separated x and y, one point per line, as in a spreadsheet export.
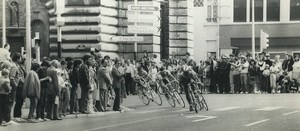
149	65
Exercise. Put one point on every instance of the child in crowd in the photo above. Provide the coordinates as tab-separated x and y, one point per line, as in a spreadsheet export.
266	80
274	70
294	86
284	83
5	89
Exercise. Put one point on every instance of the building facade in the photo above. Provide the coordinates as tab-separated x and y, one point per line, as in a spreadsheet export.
278	18
16	21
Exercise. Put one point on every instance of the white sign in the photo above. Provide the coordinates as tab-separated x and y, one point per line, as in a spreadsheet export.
59	6
127	38
143	8
37	35
139	29
142	18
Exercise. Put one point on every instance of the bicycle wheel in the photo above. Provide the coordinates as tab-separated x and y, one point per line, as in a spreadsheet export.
156	98
170	99
202	101
197	101
179	99
143	97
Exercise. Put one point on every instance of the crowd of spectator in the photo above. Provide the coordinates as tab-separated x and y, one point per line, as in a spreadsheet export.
57	88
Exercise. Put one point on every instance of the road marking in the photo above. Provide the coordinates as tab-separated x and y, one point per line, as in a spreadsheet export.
228	108
258	122
145	112
203	118
128	123
289	113
181	110
269	108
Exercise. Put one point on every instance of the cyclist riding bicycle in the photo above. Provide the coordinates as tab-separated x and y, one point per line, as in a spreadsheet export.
165	77
188	76
141	77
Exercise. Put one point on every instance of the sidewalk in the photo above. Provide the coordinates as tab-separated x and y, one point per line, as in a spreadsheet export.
129	101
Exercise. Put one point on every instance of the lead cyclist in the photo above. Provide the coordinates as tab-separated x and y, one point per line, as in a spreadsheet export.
188	76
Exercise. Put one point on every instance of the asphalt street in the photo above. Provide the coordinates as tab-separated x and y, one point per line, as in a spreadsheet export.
227	112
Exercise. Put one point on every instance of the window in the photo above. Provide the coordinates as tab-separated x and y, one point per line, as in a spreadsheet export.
198	3
258	14
209	18
240	11
295	9
273	10
212	12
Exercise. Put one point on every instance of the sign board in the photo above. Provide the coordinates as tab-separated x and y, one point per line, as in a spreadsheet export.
142	8
142	18
127	38
140	29
59	6
37	35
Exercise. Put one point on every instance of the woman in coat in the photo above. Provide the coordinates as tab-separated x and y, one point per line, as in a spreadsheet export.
32	88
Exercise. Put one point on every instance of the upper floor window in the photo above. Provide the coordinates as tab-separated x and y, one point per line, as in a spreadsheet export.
258	10
212	11
240	11
198	3
295	10
273	10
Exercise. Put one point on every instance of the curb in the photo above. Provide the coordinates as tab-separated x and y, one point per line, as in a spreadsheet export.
74	116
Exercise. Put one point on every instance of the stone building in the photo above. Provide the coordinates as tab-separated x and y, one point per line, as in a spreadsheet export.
16	21
92	24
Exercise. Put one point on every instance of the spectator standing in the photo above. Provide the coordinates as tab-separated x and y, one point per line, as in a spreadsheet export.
92	80
244	74
224	69
236	74
32	90
261	67
16	78
104	83
252	71
129	74
289	66
266	80
65	90
5	89
53	91
74	78
44	79
84	81
296	68
274	70
117	84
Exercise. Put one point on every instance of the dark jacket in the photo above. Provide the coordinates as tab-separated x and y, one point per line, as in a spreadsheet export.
84	79
117	78
74	78
53	88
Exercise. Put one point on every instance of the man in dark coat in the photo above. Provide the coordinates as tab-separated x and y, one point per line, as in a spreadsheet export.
84	82
118	78
224	70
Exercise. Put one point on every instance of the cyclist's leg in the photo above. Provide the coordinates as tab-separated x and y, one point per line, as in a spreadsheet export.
187	94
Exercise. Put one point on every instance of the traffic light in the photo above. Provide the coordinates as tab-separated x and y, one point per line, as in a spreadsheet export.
264	40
